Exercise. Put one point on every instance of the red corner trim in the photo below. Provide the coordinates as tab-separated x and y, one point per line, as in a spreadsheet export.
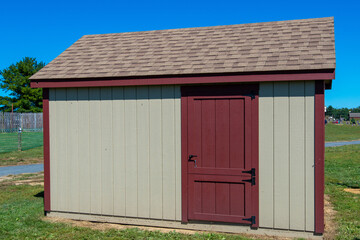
60	83
46	132
319	156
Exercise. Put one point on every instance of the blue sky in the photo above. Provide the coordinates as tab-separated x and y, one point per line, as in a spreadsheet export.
44	29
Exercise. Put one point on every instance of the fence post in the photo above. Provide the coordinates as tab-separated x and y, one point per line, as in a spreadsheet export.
19	139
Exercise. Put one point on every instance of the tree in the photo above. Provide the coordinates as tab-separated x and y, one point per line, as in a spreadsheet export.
329	111
15	80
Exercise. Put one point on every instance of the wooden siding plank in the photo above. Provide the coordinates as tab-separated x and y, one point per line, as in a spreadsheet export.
62	167
281	155
53	150
131	152
168	130
72	149
84	149
107	164
266	155
142	116
309	155
119	151
297	155
177	136
95	149
155	153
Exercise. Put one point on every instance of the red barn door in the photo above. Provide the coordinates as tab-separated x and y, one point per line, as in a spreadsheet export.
221	175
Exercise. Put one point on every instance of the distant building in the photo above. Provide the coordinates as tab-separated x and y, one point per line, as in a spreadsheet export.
354	115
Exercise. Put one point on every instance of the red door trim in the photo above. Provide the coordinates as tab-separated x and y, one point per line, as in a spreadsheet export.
46	132
255	157
319	156
184	164
220	90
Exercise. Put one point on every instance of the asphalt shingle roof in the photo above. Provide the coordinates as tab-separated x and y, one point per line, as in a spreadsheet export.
272	46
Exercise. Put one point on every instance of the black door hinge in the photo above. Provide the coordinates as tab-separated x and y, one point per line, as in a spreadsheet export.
251	180
252	220
252	172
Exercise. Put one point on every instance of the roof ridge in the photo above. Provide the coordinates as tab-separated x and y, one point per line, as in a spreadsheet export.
216	26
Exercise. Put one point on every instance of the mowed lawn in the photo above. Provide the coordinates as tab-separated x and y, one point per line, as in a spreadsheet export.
342	172
339	132
31	156
10	141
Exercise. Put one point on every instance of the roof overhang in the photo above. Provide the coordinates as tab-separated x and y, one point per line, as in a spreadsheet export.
326	75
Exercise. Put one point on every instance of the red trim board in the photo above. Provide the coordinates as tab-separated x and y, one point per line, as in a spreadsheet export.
319	156
61	83
46	132
184	162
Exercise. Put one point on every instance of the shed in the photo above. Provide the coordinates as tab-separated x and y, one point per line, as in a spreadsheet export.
212	128
354	115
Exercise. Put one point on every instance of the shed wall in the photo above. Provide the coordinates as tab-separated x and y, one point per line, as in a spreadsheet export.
116	151
286	155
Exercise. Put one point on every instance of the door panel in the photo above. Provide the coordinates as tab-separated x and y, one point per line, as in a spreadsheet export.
219	135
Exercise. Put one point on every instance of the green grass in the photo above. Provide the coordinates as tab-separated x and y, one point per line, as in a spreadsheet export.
31	156
21	212
9	141
336	132
342	170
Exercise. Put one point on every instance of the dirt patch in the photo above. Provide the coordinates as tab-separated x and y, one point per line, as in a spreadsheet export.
107	226
352	190
330	224
33	179
31	182
13	161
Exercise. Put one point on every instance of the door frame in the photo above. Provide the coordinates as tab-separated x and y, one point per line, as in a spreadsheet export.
220	90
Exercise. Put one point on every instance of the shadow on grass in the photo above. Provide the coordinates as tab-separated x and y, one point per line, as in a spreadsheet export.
40	194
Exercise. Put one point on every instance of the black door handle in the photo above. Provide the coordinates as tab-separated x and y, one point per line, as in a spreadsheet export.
191	159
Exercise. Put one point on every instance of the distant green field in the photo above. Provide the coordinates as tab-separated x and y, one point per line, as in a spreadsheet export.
337	132
9	141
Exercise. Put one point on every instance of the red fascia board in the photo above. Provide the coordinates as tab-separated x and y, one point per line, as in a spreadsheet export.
62	83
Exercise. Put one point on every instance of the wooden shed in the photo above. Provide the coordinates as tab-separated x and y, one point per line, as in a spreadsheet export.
213	128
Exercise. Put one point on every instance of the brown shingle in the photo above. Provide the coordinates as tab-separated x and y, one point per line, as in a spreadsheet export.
273	46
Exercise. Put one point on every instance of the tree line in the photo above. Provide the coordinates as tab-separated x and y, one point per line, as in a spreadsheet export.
341	112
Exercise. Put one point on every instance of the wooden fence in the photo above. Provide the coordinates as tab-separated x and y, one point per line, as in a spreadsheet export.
10	122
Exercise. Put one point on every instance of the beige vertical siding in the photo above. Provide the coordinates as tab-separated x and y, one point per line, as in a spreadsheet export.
116	151
286	157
